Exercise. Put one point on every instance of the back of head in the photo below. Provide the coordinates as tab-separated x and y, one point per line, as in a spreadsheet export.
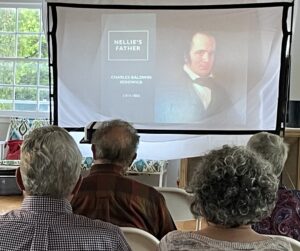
233	186
270	147
50	162
115	141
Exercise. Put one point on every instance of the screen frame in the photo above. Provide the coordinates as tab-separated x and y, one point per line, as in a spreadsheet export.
284	74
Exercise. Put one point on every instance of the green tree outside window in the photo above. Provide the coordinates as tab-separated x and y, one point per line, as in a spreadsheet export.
24	76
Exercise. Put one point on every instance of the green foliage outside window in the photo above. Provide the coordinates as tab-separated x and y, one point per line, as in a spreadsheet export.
8	45
6	72
8	19
29	20
24	73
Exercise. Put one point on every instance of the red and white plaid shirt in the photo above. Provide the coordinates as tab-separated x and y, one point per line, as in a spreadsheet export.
45	223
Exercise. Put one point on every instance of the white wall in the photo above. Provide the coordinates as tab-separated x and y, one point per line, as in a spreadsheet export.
295	73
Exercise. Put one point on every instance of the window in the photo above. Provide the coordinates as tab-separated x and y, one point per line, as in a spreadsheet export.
24	80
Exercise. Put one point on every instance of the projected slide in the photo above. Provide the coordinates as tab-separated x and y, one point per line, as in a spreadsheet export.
128	66
169	69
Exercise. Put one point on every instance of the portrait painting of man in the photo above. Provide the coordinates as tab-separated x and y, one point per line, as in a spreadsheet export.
197	95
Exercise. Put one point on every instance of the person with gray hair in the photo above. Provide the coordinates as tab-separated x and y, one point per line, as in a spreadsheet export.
284	219
108	195
49	176
233	188
272	148
115	141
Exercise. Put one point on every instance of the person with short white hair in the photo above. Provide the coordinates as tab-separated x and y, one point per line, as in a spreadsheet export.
49	176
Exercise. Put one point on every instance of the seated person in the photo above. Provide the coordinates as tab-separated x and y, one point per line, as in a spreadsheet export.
107	195
233	188
284	219
49	176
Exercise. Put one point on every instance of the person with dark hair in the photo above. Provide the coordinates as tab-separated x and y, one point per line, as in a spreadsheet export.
200	56
233	188
108	195
49	176
197	96
284	219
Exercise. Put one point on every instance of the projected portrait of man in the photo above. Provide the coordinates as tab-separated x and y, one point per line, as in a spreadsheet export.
201	55
199	62
195	95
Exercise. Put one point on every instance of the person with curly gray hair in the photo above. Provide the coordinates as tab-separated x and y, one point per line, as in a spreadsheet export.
233	188
49	176
284	219
107	194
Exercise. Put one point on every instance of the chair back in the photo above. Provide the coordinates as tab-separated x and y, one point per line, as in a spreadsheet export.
178	202
294	243
140	240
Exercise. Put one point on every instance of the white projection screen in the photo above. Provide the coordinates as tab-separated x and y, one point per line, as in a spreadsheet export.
142	61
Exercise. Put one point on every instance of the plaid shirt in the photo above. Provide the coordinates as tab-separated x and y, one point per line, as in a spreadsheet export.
107	195
45	223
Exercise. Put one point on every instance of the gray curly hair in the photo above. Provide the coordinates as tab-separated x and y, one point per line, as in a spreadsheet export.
115	141
50	162
233	186
272	148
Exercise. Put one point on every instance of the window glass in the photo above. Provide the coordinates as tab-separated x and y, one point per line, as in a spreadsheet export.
8	19
24	76
6	72
8	45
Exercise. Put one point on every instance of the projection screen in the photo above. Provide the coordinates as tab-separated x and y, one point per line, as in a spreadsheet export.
198	67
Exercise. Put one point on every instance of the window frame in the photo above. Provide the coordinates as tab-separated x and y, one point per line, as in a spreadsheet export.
29	4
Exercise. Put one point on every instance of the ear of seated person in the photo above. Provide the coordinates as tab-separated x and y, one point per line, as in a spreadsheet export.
233	188
108	195
284	219
49	175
